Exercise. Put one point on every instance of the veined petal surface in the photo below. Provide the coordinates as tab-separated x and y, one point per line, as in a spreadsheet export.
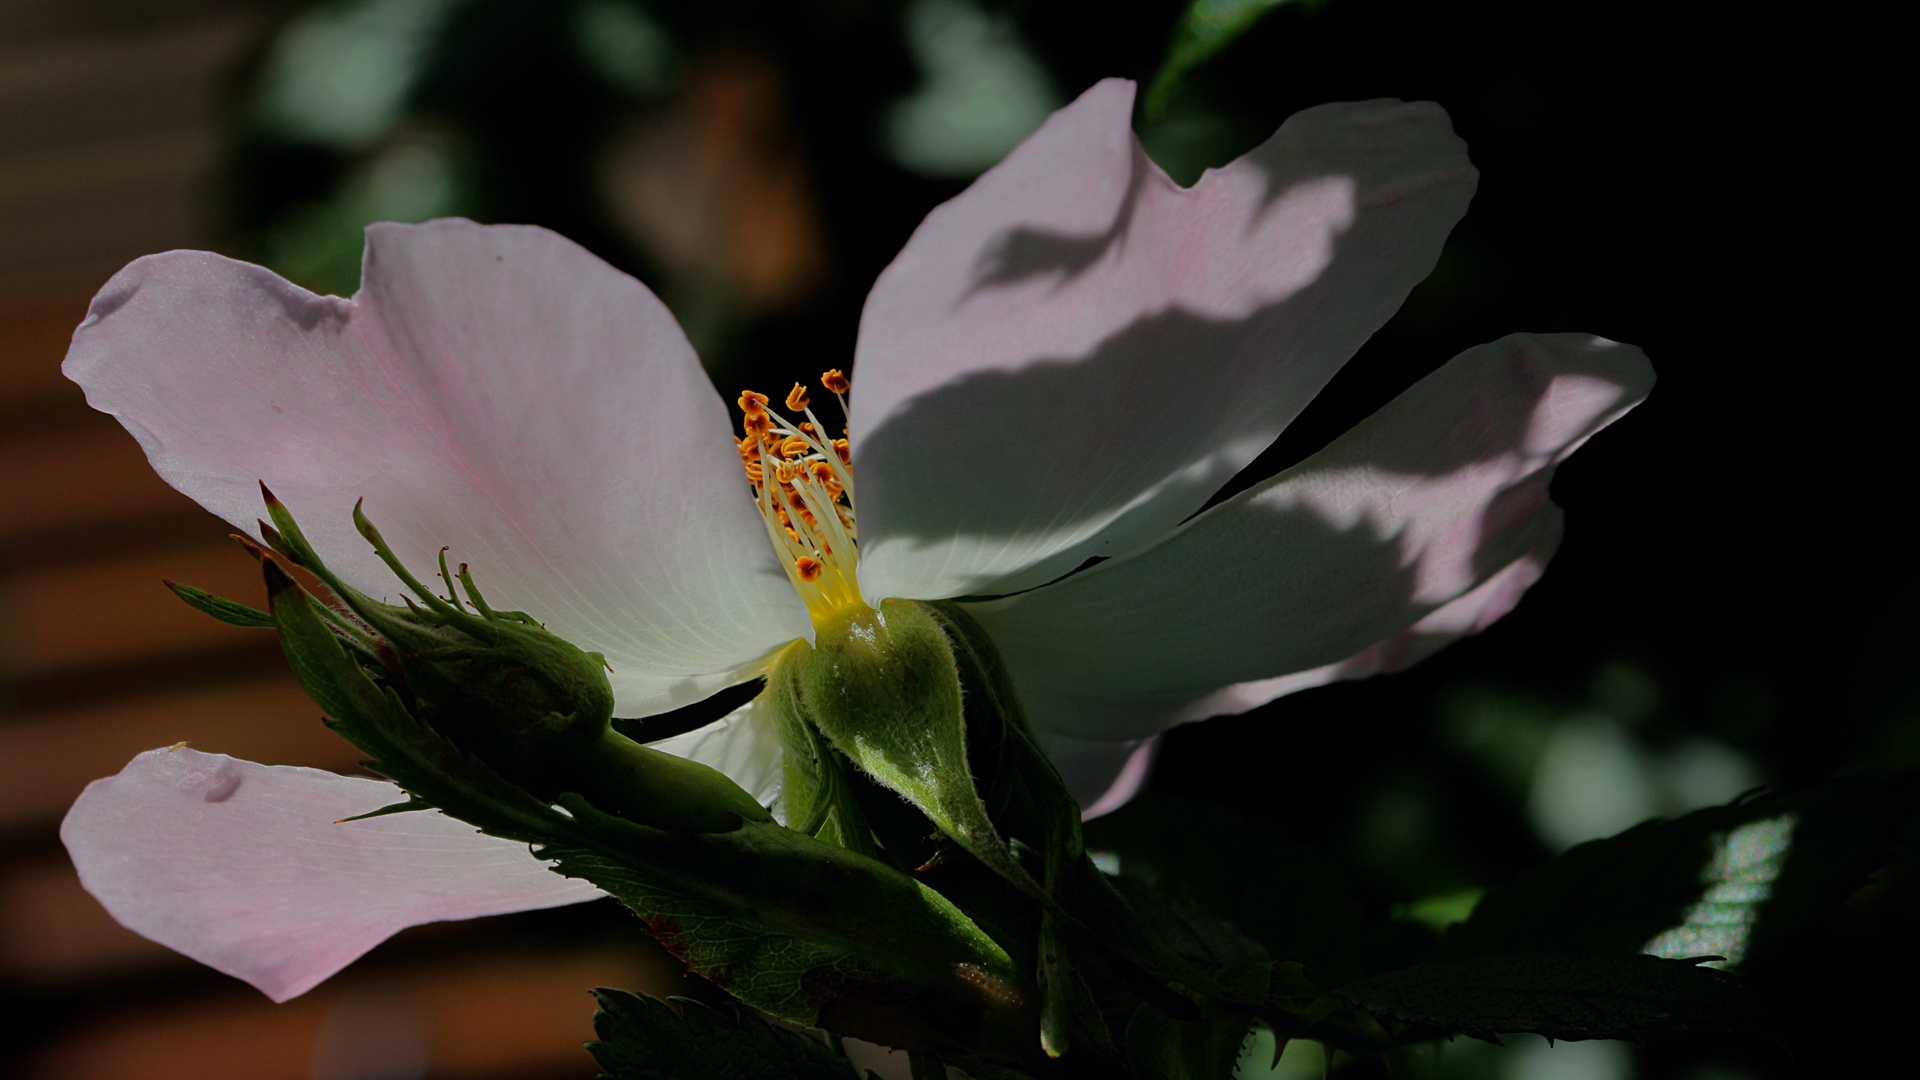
249	869
498	389
1069	358
1431	513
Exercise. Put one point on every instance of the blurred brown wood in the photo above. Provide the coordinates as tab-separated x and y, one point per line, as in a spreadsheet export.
51	931
113	117
34	332
84	475
511	1014
111	137
101	611
48	757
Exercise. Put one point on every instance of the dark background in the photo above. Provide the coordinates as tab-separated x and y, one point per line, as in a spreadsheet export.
1719	192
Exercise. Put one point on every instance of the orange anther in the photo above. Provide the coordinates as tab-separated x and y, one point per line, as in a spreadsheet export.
822	472
754	472
756	423
834	381
806	428
793	447
794	500
797	398
808	567
793	536
785	472
751	402
841	448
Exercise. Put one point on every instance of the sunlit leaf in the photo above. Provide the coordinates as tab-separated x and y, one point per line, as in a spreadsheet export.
227	611
1728	881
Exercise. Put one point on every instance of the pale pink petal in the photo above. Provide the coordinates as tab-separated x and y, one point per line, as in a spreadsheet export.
248	868
497	389
744	745
1440	496
1072	356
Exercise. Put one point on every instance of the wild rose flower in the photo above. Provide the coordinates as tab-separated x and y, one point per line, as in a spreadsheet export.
1063	364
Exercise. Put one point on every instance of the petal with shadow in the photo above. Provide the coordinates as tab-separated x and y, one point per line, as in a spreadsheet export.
1065	709
498	389
1432	512
1101	776
249	869
1069	358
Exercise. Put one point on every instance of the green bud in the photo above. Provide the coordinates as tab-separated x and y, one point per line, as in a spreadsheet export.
532	705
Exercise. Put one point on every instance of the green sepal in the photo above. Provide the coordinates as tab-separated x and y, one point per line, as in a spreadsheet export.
406	806
231	612
818	793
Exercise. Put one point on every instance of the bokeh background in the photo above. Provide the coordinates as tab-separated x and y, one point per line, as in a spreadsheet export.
1732	606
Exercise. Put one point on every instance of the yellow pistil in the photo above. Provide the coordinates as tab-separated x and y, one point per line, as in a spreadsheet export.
803	484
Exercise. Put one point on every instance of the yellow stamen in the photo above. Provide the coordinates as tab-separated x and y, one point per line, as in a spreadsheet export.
803	484
834	381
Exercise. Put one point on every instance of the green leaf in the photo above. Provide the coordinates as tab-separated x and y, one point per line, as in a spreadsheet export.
1561	996
1731	881
227	611
643	1038
808	931
1191	931
1205	28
